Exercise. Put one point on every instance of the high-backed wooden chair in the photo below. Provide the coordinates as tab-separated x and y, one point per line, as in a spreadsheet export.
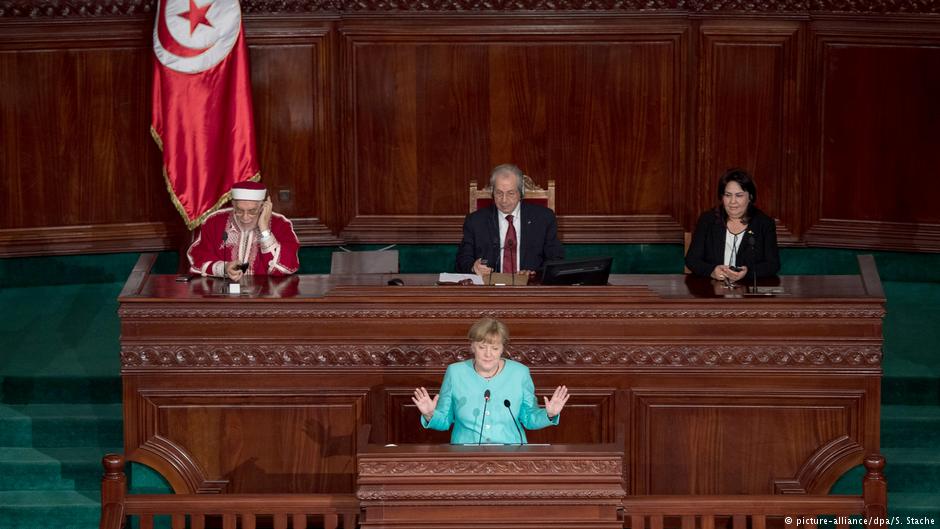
481	198
686	242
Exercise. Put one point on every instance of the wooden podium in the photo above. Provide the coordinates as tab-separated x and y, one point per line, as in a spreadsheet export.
464	487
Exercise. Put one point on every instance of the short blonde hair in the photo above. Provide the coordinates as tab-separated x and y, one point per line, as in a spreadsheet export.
486	328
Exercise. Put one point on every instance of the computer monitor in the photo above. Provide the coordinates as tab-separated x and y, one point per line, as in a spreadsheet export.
590	271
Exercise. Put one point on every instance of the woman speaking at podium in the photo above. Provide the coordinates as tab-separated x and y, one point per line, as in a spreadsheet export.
734	239
487	398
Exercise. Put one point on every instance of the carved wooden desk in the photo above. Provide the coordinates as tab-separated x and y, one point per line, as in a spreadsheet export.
463	487
713	394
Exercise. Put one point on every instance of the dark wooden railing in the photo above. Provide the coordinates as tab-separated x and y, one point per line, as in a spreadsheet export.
792	511
759	512
234	510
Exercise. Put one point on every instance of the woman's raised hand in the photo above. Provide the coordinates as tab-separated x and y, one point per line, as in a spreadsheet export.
426	405
554	405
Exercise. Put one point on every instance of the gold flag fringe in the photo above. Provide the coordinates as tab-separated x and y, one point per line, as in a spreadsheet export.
192	223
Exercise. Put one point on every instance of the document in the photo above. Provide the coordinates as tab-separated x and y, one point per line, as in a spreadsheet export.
456	278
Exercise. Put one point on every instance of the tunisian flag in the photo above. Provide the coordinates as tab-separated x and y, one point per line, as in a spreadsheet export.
202	115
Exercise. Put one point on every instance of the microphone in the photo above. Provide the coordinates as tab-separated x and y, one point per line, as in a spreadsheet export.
507	404
486	401
750	243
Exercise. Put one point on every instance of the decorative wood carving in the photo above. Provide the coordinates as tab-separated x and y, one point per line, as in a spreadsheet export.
112	8
175	464
558	486
264	355
489	467
210	313
824	461
488	494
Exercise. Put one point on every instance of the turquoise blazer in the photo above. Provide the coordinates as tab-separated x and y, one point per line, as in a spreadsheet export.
461	404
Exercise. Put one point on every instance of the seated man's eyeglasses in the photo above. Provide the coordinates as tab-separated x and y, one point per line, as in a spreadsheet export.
247	212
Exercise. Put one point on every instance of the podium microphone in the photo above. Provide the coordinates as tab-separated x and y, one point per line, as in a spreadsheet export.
486	401
753	270
507	404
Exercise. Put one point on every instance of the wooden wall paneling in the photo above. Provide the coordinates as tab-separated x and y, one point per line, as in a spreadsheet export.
750	114
624	166
292	72
672	432
873	169
415	105
78	160
401	417
431	110
377	122
258	440
589	417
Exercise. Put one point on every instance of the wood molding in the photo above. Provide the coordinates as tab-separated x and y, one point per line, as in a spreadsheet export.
202	356
177	465
874	235
103	8
312	232
572	229
619	229
403	229
107	238
133	237
827	463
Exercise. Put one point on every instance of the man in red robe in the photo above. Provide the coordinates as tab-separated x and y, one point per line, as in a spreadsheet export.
247	238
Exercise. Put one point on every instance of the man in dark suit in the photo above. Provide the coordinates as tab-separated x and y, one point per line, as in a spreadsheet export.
511	235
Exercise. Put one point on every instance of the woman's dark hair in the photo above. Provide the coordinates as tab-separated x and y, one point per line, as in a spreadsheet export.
747	184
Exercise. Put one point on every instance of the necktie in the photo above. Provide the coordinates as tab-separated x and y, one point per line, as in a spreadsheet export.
509	248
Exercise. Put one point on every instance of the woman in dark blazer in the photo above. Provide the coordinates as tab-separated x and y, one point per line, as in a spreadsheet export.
735	239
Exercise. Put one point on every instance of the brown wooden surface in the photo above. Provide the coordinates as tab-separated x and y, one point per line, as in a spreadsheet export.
374	123
468	487
457	487
116	504
715	392
859	73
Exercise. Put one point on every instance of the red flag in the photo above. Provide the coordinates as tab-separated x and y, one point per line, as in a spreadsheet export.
202	115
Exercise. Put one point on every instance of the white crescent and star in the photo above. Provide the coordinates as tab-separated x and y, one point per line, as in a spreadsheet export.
191	37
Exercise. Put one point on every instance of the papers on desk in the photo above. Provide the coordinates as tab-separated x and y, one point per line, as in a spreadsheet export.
456	278
765	291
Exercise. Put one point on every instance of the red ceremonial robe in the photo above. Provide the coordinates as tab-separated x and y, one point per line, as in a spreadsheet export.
220	240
